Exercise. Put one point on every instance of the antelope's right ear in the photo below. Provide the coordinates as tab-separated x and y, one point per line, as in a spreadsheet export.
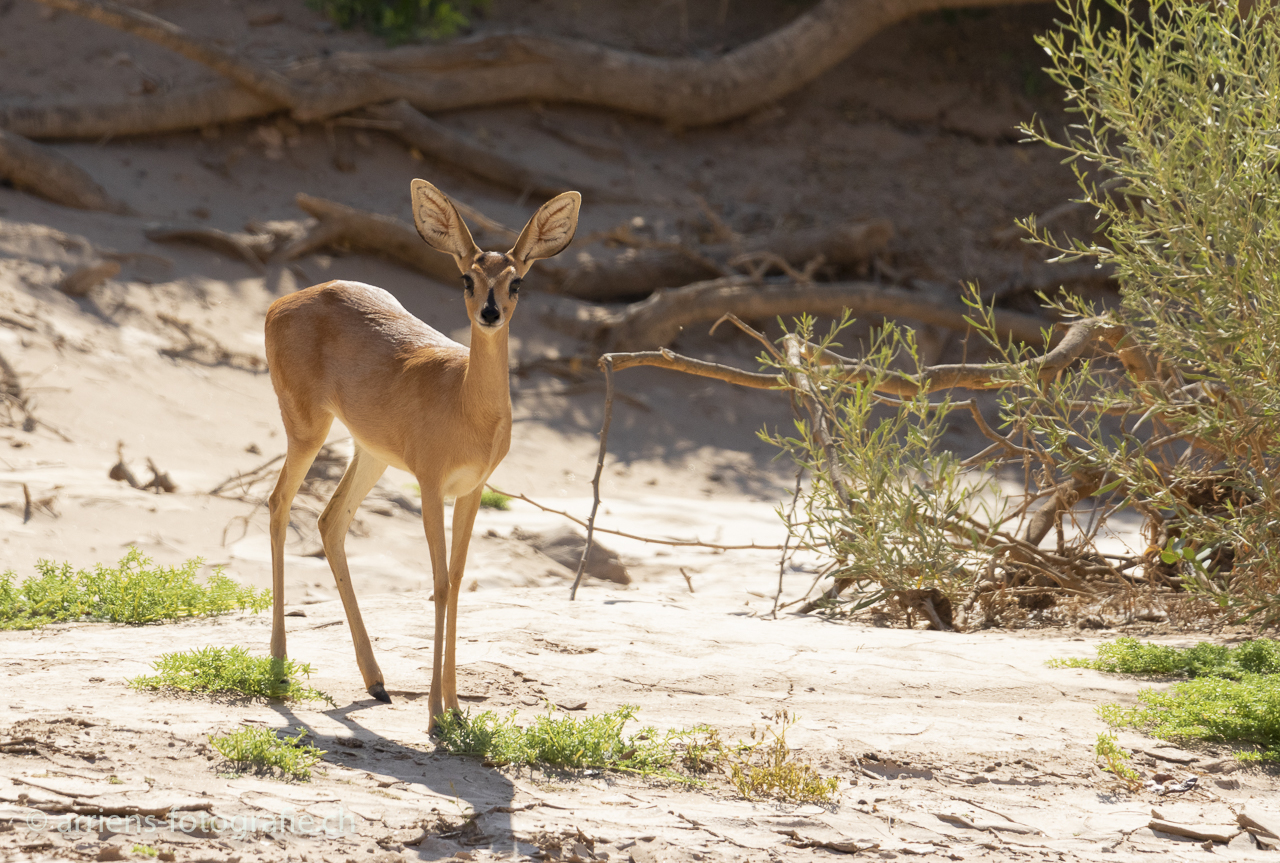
440	225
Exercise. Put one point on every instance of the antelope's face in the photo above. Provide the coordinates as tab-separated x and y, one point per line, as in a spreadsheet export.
492	288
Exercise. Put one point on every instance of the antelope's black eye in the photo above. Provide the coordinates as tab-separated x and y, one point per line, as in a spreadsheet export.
515	286
470	284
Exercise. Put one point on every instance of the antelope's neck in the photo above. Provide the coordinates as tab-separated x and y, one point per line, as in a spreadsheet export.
487	386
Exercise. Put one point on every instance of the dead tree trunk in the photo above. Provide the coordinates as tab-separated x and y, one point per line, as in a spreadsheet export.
484	71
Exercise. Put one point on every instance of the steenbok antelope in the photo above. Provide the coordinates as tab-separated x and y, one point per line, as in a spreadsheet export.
410	397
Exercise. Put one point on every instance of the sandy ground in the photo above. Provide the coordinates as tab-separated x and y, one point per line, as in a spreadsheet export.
165	361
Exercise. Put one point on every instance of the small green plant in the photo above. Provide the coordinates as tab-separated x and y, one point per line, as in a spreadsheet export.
145	850
766	768
1130	656
231	670
264	751
1116	761
762	768
494	500
401	20
134	591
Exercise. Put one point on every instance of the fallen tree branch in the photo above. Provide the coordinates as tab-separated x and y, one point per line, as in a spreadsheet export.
484	71
252	76
657	321
443	144
44	171
1079	338
636	268
343	226
253	249
80	282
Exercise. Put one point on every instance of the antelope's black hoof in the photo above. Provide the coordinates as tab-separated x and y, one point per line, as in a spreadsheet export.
379	692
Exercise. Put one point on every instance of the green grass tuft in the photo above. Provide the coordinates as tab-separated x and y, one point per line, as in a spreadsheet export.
558	741
134	591
494	500
265	752
760	769
231	670
1130	656
1233	695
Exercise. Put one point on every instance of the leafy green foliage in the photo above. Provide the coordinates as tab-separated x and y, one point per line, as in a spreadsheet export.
231	670
134	591
763	768
401	20
494	500
262	750
1130	656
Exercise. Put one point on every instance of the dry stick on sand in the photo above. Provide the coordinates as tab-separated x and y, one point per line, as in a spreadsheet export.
607	365
679	543
680	91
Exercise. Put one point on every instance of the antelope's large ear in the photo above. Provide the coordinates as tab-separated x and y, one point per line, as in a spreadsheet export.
548	232
440	225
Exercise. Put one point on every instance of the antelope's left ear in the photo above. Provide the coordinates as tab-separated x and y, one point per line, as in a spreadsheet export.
549	231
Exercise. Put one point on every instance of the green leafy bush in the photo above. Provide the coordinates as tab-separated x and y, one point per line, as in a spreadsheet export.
261	749
231	670
888	504
1167	406
401	20
134	591
1116	761
1175	145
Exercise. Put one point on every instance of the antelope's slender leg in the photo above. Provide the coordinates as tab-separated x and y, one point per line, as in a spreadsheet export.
464	516
297	461
361	475
433	526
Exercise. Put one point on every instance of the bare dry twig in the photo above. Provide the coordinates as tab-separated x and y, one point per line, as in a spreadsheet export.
607	365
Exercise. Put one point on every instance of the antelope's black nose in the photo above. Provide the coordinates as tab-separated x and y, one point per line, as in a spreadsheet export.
490	314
